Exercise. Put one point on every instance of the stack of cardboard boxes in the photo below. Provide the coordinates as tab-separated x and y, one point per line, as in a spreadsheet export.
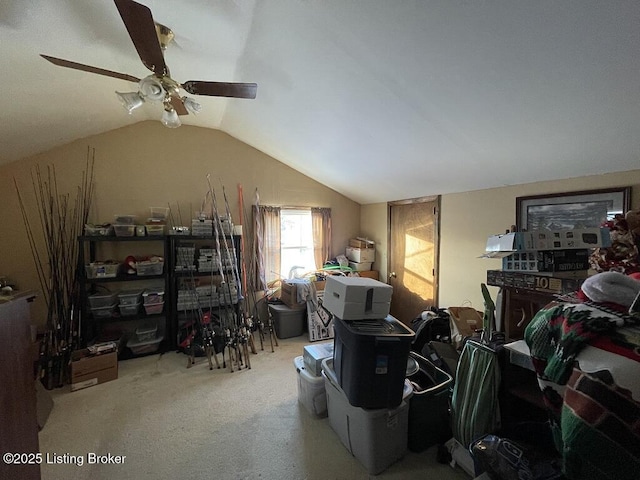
361	254
550	261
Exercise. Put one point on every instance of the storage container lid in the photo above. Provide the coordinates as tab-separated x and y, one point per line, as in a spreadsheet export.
104	295
281	307
151	291
130	293
380	327
149	328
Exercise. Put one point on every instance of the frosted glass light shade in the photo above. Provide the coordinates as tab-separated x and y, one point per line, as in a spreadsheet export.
170	118
151	88
130	100
191	105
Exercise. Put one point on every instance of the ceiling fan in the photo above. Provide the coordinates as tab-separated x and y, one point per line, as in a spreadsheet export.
150	39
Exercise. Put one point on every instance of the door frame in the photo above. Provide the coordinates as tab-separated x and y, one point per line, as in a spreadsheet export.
436	260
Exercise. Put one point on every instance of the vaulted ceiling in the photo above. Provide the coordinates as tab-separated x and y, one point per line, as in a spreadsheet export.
378	99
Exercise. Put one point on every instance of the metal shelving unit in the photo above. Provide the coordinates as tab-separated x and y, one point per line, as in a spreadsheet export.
90	249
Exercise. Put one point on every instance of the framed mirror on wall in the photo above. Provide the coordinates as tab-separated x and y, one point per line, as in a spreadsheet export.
571	210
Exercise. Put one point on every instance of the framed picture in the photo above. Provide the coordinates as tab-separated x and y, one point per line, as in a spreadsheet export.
566	211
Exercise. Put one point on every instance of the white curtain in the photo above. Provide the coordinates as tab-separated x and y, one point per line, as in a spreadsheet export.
267	230
321	227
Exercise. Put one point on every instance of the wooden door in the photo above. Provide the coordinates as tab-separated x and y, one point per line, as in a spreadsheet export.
413	256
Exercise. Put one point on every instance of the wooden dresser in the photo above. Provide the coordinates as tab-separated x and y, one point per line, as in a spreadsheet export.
18	419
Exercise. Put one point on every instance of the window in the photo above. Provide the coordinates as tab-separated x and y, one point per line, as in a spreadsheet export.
289	240
296	243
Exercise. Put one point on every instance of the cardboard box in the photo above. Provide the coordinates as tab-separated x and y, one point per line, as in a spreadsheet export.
88	370
563	239
370	274
499	245
361	254
549	283
508	242
361	243
547	261
289	294
357	298
319	319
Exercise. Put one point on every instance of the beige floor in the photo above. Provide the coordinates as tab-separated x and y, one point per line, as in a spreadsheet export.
172	422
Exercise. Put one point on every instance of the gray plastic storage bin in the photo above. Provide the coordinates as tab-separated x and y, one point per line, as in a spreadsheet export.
376	437
288	322
129	297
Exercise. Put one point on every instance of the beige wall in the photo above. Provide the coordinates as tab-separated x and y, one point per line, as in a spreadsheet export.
373	225
149	165
467	219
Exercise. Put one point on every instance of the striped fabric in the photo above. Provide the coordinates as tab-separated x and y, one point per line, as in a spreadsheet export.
474	404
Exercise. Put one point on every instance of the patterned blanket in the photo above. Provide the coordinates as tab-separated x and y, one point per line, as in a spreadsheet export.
587	358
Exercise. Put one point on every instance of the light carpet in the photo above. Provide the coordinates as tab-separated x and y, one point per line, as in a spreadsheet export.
177	423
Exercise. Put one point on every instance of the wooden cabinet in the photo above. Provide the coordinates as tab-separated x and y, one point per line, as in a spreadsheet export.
18	419
519	306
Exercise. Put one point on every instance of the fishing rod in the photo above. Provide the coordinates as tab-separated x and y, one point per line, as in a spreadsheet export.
242	331
248	319
231	331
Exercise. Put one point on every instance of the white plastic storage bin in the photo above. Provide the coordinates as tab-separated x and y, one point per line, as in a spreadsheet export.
376	437
153	297
360	266
361	254
311	390
357	298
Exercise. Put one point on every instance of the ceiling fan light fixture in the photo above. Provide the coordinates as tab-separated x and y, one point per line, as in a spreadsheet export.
130	100
191	105
151	88
170	118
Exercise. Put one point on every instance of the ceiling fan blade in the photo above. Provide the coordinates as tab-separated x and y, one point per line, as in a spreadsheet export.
221	89
142	30
87	68
178	105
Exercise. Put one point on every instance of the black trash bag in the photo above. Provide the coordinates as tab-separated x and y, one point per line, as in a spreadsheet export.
504	459
432	324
